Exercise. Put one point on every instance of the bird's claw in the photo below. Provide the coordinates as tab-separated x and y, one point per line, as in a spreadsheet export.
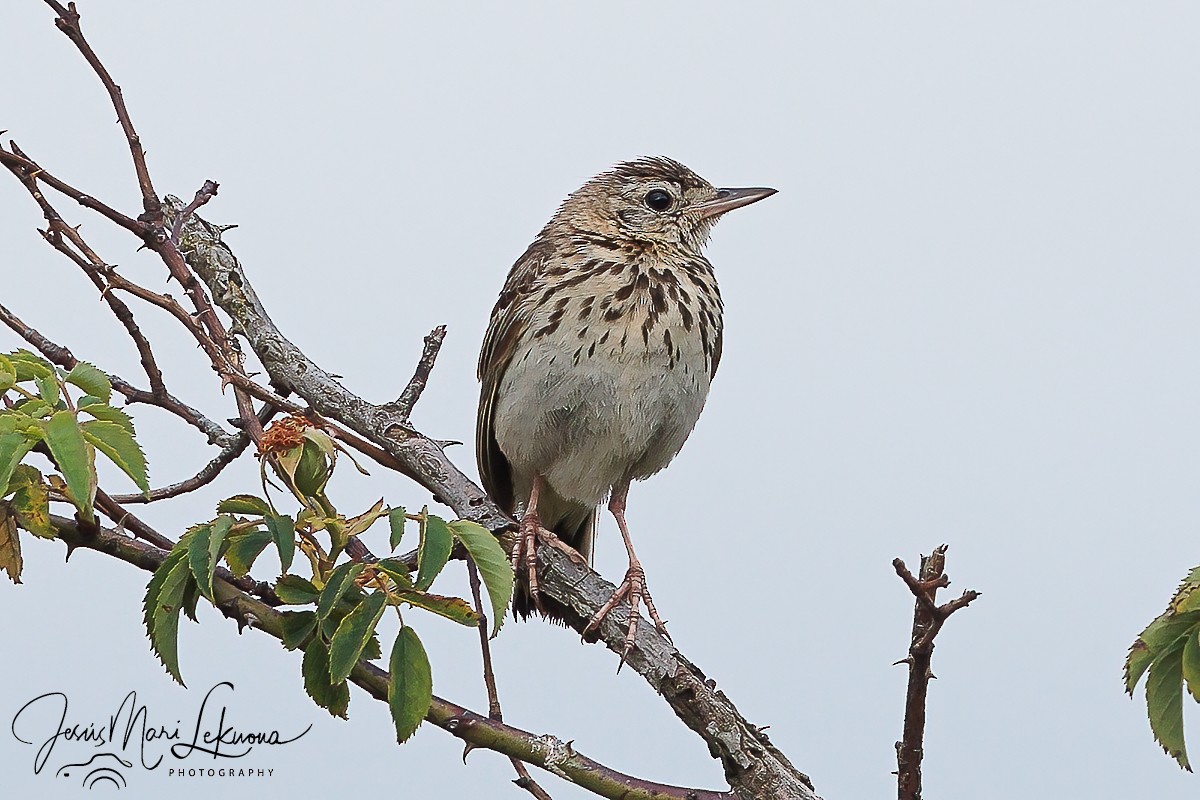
633	588
525	556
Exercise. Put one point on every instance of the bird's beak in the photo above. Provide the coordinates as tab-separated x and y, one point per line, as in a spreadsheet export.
729	199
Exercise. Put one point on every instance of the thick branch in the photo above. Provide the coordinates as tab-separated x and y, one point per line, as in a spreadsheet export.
928	618
545	751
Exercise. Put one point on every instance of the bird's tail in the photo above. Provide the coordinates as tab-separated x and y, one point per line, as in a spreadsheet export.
576	529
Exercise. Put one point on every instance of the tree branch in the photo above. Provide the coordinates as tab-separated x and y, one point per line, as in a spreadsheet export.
545	751
928	618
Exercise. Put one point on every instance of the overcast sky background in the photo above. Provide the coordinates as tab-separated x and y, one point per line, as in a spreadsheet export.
969	316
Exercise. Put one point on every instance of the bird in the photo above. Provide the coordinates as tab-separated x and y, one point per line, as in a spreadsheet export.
597	362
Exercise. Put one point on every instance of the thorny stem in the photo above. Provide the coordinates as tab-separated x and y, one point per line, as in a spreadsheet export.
928	618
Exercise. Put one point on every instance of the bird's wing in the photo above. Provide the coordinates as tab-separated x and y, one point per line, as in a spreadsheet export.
509	320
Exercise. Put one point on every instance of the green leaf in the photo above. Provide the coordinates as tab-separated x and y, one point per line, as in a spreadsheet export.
87	377
28	366
165	598
493	564
8	374
243	549
107	413
356	526
332	697
341	579
205	549
298	627
294	590
410	688
33	408
396	520
10	545
1191	663
48	388
346	646
120	447
1164	704
312	473
452	608
434	550
31	502
397	570
75	458
244	504
283	533
13	447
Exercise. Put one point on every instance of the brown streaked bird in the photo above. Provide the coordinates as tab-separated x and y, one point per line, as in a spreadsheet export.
598	359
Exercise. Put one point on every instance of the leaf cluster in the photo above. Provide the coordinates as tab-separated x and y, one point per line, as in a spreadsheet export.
68	416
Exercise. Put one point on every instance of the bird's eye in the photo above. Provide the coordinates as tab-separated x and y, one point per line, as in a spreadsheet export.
658	200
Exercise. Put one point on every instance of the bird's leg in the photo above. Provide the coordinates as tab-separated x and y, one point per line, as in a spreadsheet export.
632	588
525	553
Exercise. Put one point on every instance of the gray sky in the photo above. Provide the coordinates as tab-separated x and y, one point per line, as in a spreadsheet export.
969	316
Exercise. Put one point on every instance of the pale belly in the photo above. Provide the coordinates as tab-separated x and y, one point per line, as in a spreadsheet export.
588	421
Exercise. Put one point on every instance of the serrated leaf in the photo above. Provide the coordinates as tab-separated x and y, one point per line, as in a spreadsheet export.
294	590
348	642
87	377
396	521
121	448
243	549
205	549
493	564
33	408
341	579
244	504
1164	704
397	570
165	596
107	413
28	366
10	545
298	626
75	458
452	608
356	526
410	687
13	447
48	389
191	597
332	697
434	550
31	502
283	532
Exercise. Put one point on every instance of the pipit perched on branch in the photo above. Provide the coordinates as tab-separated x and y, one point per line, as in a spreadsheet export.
598	360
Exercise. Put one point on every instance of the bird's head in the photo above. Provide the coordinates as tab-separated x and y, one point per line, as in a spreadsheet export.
653	201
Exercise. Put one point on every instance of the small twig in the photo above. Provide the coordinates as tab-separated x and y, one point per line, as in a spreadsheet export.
21	166
203	195
524	779
404	404
928	618
205	476
68	23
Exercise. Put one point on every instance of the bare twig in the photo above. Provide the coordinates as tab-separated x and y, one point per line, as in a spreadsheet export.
63	357
928	618
524	779
404	404
68	23
18	164
203	195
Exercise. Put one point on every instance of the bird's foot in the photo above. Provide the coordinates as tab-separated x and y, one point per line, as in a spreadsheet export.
633	589
524	556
